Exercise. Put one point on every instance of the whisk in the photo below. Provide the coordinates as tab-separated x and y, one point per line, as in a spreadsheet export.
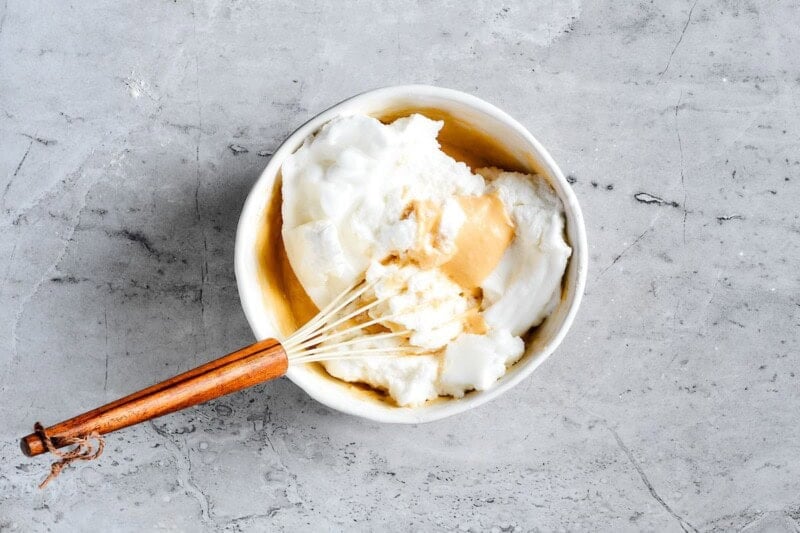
343	329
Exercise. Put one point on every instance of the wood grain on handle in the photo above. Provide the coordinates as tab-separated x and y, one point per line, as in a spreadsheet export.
243	368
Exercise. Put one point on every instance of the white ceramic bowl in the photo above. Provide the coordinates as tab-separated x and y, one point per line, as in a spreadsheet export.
484	118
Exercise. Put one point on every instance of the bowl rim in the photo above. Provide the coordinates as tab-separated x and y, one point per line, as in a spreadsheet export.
249	287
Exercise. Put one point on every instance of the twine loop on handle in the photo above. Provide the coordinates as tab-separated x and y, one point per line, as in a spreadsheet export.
84	450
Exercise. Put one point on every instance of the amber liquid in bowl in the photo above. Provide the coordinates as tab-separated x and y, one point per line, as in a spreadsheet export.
280	287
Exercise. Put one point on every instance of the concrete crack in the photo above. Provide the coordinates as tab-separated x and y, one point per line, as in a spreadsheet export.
203	280
197	213
237	149
726	218
105	326
683	178
680	38
71	181
14	175
142	240
3	18
647	198
21	161
271	512
47	274
685	525
186	467
40	140
623	252
197	188
8	270
266	427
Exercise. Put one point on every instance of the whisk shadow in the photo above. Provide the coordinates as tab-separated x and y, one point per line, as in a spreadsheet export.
165	273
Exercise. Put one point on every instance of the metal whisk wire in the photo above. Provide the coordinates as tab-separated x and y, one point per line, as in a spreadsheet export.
312	342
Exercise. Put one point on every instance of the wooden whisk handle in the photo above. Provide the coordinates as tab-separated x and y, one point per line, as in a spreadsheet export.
243	368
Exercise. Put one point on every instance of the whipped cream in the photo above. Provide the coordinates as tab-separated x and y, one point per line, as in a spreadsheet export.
362	199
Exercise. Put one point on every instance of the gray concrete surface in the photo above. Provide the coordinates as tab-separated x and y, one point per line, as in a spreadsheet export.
131	132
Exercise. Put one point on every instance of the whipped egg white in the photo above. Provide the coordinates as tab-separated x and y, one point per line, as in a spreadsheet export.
464	262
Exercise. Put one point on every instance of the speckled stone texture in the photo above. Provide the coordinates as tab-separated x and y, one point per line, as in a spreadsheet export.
131	133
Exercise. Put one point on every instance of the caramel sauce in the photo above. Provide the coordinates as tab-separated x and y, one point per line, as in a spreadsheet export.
474	323
481	241
479	246
279	285
282	290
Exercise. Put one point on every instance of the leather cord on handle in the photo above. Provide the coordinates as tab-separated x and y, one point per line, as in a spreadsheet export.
84	450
